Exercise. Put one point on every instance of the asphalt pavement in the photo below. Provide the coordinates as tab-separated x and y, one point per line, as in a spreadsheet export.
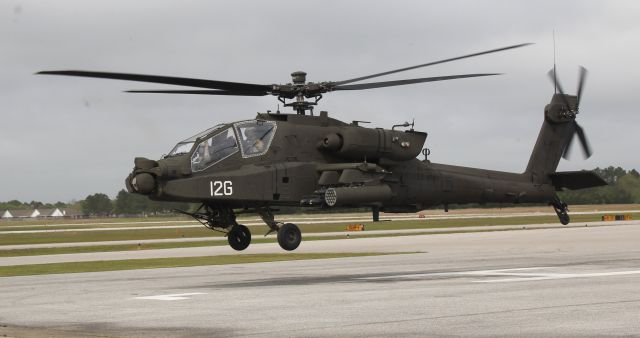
581	281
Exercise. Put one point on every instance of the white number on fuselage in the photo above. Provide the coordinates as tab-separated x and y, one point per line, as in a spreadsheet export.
221	188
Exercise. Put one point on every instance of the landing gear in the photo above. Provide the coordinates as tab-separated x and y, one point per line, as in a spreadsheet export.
223	219
289	236
561	210
375	213
239	237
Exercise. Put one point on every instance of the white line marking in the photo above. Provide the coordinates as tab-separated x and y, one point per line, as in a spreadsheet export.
516	275
473	273
550	276
176	296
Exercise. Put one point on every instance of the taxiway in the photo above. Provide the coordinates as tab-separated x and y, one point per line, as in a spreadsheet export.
546	282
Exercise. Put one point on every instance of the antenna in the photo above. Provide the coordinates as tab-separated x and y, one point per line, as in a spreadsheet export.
555	76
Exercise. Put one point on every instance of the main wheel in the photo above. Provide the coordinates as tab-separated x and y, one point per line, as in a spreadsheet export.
289	236
564	218
239	237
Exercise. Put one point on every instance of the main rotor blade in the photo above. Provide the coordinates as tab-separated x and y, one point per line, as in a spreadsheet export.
406	82
581	79
583	140
429	64
178	81
200	92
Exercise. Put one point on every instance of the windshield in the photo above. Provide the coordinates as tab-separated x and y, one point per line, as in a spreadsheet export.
181	148
185	146
255	136
213	150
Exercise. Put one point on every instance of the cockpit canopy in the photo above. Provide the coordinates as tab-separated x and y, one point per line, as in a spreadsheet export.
184	147
252	138
214	149
255	136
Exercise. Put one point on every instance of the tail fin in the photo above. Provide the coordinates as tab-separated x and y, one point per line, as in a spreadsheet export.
554	136
557	131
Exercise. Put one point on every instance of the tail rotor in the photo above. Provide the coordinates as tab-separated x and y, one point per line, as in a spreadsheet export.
571	111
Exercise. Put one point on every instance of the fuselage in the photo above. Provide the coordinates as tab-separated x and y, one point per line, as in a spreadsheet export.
300	157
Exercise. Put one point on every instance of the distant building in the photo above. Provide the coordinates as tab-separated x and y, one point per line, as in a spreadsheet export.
41	213
12	214
73	213
50	212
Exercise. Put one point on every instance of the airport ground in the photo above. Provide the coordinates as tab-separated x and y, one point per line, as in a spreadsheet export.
508	272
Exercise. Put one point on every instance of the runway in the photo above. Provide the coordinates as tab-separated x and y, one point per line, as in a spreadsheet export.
547	282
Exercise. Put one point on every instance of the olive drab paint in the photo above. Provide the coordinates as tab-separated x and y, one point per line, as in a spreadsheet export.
316	161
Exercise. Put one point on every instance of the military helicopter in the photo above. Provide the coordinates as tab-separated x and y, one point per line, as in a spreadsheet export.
303	159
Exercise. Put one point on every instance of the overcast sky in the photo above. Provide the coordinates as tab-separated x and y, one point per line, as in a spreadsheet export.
64	138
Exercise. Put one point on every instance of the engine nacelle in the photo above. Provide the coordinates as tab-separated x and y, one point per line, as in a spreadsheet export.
357	143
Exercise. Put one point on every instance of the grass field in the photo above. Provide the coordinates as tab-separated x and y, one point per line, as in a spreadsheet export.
155	263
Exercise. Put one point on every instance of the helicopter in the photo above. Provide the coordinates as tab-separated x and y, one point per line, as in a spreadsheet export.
312	160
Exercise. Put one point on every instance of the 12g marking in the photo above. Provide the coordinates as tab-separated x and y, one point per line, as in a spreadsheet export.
221	188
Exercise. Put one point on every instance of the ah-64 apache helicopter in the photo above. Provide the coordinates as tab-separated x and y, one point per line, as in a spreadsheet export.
316	161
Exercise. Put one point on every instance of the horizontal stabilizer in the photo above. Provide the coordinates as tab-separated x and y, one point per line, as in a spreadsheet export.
574	180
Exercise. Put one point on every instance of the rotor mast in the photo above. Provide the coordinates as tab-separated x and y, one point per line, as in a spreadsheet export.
301	105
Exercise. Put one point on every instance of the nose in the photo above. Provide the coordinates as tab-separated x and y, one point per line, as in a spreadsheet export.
141	180
143	183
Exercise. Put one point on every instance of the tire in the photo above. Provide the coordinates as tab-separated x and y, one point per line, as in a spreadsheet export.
564	218
239	237
289	236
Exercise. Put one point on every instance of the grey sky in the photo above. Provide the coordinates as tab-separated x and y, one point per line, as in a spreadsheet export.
63	138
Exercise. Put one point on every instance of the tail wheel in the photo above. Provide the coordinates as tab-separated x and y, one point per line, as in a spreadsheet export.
561	210
239	237
564	218
289	236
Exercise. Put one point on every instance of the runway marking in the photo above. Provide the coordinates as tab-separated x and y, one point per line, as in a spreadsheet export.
175	296
514	275
548	276
478	272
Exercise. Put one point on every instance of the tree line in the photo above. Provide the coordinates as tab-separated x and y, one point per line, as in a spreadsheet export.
128	204
100	204
623	188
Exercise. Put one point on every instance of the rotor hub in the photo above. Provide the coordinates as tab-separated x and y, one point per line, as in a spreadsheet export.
299	77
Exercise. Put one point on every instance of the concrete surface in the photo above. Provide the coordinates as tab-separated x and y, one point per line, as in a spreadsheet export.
548	282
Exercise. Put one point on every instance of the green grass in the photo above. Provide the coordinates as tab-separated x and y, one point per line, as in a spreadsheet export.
155	263
140	234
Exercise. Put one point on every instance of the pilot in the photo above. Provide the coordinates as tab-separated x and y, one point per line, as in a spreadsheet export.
207	151
197	158
254	142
